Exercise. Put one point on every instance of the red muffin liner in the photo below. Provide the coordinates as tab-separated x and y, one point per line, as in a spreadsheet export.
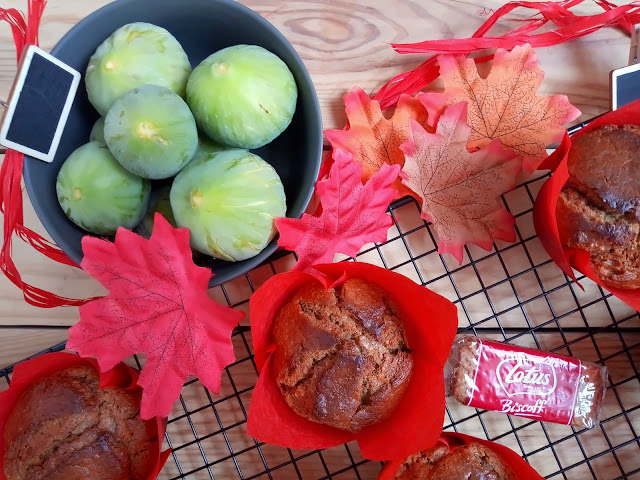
430	322
544	208
521	469
29	371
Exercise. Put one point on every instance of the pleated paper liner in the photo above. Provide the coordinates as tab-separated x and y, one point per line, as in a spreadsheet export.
121	376
544	208
521	469
430	323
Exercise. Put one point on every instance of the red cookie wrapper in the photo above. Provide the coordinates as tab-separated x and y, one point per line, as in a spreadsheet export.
526	382
430	323
521	469
544	208
29	371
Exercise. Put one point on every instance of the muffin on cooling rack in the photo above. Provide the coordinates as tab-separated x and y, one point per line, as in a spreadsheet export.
64	426
349	351
342	354
472	461
456	456
598	209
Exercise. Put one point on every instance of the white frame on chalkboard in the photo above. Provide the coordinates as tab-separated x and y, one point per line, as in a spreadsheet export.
12	101
615	74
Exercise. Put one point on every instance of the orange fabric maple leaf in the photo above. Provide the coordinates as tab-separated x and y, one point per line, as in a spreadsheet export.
505	105
460	188
157	305
372	138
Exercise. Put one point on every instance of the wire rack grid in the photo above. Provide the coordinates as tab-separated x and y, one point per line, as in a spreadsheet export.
513	293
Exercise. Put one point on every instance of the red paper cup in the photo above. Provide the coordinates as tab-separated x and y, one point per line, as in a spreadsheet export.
521	469
25	373
544	208
430	322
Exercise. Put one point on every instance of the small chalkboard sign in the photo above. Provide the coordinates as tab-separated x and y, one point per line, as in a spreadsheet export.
625	81
625	85
38	105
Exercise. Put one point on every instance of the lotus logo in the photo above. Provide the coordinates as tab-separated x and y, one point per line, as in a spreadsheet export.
518	376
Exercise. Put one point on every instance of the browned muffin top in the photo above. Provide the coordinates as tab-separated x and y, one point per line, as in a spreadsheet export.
470	462
342	357
598	209
65	427
604	165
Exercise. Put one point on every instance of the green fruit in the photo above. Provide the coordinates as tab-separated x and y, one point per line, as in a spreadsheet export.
160	203
97	132
228	200
242	96
151	132
207	147
134	55
97	194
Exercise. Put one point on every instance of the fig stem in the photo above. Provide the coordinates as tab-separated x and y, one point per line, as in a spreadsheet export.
220	68
196	199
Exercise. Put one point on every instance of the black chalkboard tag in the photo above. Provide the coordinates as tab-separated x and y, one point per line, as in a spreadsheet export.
625	81
625	85
38	105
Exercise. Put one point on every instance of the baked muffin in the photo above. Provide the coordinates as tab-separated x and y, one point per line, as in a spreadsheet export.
342	358
66	427
598	209
470	462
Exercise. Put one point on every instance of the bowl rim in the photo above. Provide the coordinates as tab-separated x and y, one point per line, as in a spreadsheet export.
306	193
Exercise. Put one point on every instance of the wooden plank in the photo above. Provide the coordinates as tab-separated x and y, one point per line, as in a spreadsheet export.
14	340
343	43
44	273
346	43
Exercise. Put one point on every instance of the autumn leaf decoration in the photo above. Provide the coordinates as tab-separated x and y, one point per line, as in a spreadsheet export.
157	305
488	131
371	138
460	189
505	105
352	215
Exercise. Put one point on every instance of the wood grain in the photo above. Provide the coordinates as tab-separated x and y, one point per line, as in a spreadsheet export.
44	273
343	43
346	43
16	341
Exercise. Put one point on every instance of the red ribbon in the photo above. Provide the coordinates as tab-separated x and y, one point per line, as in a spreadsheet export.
25	33
569	26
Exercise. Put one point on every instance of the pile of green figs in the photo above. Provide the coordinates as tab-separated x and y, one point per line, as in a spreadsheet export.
177	141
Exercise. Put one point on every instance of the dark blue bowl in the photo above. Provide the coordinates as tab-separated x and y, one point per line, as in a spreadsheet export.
202	27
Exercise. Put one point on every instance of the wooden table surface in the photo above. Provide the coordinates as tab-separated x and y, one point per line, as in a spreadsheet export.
343	43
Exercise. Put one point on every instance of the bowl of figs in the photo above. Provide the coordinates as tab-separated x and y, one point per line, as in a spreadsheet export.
199	110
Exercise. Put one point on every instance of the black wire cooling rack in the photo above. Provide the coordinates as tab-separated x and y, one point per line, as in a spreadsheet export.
513	293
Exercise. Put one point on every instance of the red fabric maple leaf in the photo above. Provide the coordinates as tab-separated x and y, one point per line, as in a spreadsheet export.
505	105
157	305
373	139
352	215
460	188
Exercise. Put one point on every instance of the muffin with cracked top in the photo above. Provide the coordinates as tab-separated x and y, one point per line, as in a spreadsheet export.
65	426
342	358
470	462
598	209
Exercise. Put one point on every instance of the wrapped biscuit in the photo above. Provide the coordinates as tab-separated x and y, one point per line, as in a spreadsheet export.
526	382
586	215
